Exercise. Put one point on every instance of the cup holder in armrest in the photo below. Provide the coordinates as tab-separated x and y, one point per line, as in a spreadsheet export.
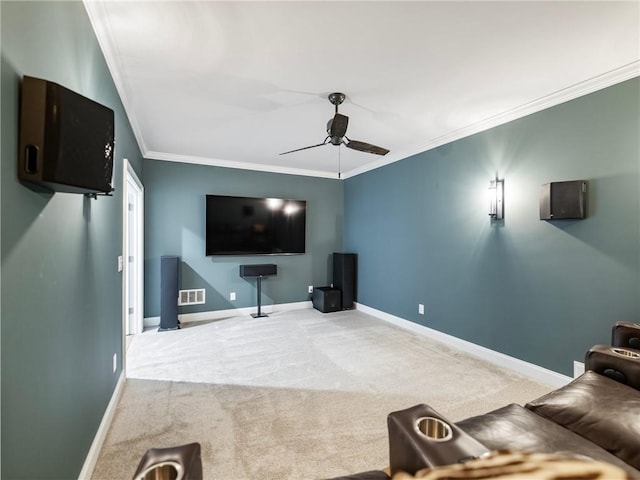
626	353
434	429
420	437
183	462
162	471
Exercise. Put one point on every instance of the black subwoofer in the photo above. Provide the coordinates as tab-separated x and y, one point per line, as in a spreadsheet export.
326	299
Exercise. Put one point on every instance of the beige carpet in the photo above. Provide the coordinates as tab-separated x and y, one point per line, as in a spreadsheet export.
296	395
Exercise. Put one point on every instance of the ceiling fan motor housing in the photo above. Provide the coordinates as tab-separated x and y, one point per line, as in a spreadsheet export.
337	127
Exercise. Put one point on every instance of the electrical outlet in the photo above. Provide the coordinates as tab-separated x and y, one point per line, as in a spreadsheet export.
310	288
578	369
232	296
421	309
115	362
120	263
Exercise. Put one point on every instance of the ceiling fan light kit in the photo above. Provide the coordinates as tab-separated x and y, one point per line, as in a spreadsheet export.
337	129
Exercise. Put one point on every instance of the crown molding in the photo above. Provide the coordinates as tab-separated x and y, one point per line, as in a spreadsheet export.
96	10
213	162
599	82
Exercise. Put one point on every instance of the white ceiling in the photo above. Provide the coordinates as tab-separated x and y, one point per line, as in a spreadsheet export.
236	83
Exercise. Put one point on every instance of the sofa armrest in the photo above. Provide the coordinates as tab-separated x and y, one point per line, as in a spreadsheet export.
626	335
420	437
620	364
182	462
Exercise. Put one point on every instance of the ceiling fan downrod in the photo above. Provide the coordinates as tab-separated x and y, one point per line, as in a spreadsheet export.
336	98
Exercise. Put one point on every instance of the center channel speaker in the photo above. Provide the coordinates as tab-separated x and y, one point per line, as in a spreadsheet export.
261	270
344	277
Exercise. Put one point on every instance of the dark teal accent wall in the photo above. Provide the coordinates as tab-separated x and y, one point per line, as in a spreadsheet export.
175	225
540	291
61	292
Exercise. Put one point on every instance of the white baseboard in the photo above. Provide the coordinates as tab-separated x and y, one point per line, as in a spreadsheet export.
233	312
94	452
530	370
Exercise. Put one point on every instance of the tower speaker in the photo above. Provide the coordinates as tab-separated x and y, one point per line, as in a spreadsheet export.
168	293
344	277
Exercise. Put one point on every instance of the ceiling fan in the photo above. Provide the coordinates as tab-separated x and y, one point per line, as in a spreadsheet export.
337	129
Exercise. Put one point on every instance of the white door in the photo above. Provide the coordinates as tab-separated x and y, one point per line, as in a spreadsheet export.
133	216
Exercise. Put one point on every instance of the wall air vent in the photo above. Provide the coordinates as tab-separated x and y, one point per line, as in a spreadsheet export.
191	297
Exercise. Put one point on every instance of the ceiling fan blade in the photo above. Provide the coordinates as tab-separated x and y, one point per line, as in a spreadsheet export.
306	148
338	125
365	147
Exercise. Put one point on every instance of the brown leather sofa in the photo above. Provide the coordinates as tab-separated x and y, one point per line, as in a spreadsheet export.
596	416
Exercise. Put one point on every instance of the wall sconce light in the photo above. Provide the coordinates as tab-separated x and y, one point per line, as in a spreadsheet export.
496	199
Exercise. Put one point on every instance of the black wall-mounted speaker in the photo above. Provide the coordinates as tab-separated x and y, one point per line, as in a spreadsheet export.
66	140
563	200
169	293
344	277
260	270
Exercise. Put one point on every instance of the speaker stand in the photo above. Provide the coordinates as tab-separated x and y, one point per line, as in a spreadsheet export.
259	314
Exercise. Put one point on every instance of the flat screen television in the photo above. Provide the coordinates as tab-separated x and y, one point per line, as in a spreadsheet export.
66	140
255	226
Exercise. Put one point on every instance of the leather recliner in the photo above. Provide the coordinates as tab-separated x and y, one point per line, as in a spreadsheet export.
594	416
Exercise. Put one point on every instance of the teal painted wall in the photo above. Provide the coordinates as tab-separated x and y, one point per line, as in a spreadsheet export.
61	292
175	225
540	291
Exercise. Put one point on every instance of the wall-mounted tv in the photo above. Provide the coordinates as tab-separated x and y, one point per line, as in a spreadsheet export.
255	226
66	140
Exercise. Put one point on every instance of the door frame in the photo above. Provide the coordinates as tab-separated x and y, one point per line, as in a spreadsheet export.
131	184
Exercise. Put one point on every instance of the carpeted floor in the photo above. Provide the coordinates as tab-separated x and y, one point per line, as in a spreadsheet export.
296	395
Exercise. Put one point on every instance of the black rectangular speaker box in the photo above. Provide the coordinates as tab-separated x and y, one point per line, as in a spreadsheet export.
344	277
66	141
563	200
169	293
326	299
260	270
